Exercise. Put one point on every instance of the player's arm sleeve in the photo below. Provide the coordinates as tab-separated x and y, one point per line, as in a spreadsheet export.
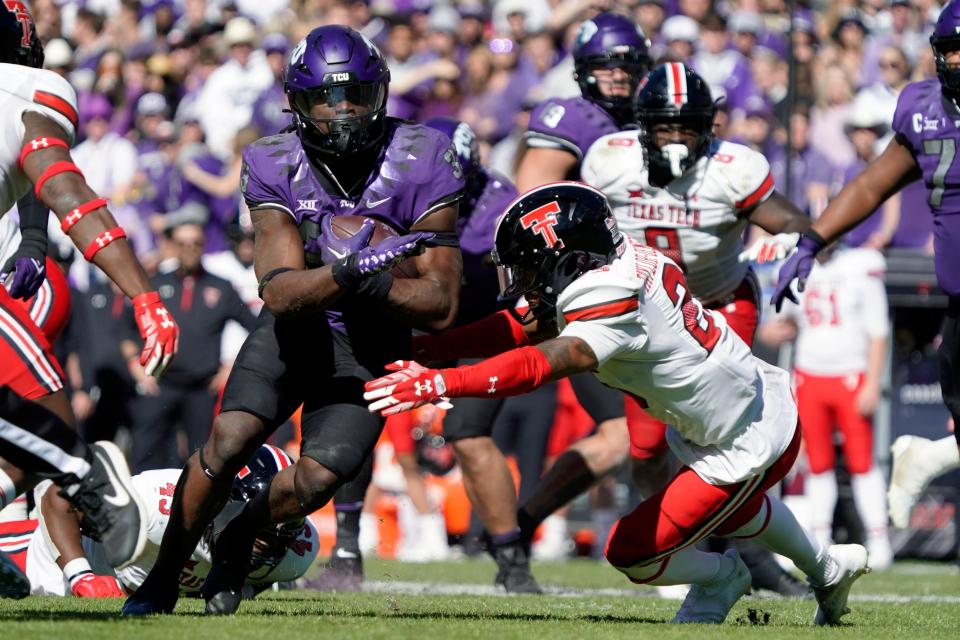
750	180
445	186
606	318
54	98
550	128
257	192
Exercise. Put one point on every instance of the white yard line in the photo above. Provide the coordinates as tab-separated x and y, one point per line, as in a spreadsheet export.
447	589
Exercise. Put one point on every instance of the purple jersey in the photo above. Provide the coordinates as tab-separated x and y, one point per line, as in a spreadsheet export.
927	124
479	211
572	124
417	174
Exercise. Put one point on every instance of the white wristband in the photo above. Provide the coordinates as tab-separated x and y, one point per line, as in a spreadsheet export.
76	569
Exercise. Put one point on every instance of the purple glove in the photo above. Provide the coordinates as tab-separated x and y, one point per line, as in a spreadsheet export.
797	267
333	248
351	271
26	269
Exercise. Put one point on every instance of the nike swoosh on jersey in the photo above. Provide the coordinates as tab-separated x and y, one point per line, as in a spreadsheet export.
120	498
375	203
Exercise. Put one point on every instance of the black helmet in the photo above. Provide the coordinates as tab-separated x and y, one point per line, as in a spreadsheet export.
19	43
549	237
273	540
673	93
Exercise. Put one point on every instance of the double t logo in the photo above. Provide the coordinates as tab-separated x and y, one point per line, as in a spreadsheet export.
542	220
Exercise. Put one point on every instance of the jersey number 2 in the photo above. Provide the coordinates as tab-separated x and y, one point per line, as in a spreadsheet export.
697	322
945	150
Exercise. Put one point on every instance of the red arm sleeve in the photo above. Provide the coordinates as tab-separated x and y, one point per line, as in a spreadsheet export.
481	339
513	373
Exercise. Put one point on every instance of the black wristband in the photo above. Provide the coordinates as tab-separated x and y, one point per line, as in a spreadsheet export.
375	288
345	273
816	237
443	239
270	275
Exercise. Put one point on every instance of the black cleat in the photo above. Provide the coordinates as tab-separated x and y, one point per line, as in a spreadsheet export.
232	550
113	513
513	569
342	574
146	602
13	583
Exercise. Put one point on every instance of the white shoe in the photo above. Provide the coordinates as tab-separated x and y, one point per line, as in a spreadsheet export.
555	543
369	539
711	602
908	479
851	563
13	583
879	552
673	591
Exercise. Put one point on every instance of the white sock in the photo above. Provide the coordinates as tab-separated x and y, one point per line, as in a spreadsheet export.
8	491
692	566
870	496
785	536
821	489
943	456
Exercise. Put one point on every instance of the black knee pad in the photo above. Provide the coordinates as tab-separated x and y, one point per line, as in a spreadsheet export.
471	418
340	437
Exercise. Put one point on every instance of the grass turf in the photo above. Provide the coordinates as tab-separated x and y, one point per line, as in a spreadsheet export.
393	615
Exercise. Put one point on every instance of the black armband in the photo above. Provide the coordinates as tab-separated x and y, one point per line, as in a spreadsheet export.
443	239
817	238
375	288
270	275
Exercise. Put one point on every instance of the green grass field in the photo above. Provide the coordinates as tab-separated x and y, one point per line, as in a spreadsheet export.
913	601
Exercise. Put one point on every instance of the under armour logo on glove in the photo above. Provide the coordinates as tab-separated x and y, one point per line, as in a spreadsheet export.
159	332
770	249
411	386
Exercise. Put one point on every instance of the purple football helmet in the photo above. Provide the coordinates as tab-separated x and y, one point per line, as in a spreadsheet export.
946	38
609	41
464	141
19	43
337	83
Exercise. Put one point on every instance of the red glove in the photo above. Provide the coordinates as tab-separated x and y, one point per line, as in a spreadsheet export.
159	332
91	586
412	386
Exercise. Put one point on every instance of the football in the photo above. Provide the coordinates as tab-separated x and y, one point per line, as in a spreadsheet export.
347	226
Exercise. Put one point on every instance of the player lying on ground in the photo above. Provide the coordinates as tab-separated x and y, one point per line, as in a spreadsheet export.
61	561
39	112
924	147
624	312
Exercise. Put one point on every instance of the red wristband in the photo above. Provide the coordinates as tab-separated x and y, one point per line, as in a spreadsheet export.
63	166
77	214
39	144
102	241
512	373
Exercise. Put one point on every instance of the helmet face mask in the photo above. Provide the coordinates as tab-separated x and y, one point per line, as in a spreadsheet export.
548	238
675	112
337	83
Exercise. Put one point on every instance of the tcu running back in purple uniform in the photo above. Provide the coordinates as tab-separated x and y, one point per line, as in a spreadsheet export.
927	127
610	57
325	329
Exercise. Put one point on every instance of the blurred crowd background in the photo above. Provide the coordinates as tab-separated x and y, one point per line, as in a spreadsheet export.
170	92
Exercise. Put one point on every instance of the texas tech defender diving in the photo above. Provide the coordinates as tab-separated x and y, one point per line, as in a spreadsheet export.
924	147
60	561
39	116
624	312
333	313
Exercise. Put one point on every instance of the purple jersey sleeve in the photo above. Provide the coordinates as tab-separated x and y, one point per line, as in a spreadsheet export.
425	162
572	124
258	184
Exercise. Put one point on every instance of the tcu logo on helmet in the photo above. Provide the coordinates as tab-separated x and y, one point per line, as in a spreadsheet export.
542	220
340	77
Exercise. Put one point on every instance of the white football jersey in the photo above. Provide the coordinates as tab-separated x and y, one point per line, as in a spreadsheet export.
842	307
156	489
698	219
732	415
25	89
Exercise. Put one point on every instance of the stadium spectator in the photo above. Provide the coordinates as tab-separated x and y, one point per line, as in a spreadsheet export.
268	109
725	69
811	172
831	111
681	35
